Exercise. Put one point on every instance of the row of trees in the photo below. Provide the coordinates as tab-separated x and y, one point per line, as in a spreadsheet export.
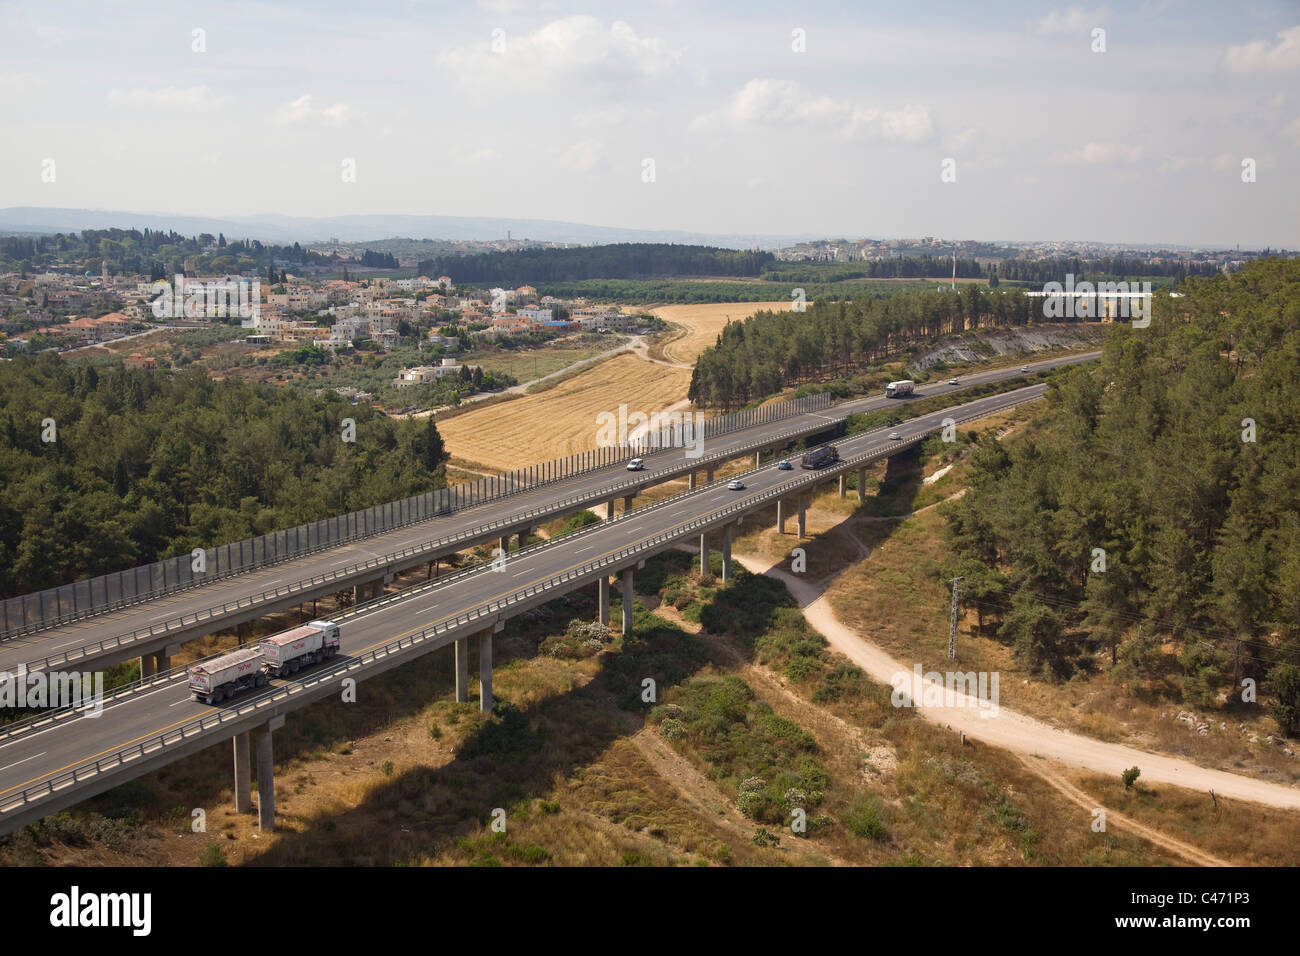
144	466
772	350
1109	268
896	267
623	260
1160	496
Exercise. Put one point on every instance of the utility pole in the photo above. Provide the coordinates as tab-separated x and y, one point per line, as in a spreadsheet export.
952	626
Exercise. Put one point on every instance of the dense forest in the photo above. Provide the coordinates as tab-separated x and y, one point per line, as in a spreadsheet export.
147	465
158	254
623	260
772	350
1176	456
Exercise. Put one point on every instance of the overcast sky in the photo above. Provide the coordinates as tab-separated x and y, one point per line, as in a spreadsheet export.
551	111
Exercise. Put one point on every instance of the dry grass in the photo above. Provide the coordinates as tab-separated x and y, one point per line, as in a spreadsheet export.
562	420
704	322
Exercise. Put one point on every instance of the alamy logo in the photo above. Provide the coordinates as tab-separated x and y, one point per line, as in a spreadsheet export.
74	909
953	689
1086	300
656	430
57	690
207	298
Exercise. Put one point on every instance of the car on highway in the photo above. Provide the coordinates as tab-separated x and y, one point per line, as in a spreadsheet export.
952	381
736	485
784	465
636	464
894	436
1024	368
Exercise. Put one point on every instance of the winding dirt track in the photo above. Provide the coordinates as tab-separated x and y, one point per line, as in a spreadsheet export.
1018	733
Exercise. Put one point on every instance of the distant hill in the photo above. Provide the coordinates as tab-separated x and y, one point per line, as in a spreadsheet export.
276	228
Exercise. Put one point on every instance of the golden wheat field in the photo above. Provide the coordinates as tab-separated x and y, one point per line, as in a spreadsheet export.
563	420
704	322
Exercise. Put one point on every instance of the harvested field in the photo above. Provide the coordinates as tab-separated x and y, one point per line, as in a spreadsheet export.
704	322
562	420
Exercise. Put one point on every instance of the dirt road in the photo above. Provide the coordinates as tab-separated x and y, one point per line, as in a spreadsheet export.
1016	732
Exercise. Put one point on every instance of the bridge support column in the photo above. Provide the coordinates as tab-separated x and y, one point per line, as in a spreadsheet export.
243	774
708	476
523	540
602	599
627	503
148	665
781	515
505	544
266	775
758	459
692	480
844	484
803	517
704	552
862	485
726	552
609	509
461	646
163	659
627	601
485	670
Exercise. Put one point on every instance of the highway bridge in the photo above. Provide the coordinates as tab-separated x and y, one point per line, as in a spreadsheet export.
153	630
59	759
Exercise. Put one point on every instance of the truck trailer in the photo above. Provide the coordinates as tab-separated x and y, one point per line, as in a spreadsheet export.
293	650
900	388
221	677
826	455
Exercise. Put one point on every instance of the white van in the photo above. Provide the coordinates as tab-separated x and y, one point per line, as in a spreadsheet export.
636	464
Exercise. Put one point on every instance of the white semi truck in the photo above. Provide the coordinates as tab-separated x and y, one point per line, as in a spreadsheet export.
899	389
291	651
214	680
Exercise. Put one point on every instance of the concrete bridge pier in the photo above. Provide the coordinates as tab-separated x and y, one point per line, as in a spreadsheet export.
602	599
609	509
781	515
627	601
726	552
462	669
691	479
708	480
803	517
758	458
504	544
844	484
485	666
704	552
266	775
862	485
243	774
627	503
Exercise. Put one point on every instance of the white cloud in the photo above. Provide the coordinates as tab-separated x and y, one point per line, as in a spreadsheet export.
1073	20
1099	154
583	156
766	102
577	46
168	97
301	112
1263	55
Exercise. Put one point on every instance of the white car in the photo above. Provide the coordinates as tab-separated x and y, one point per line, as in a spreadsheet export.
894	436
736	485
636	464
952	381
1024	368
